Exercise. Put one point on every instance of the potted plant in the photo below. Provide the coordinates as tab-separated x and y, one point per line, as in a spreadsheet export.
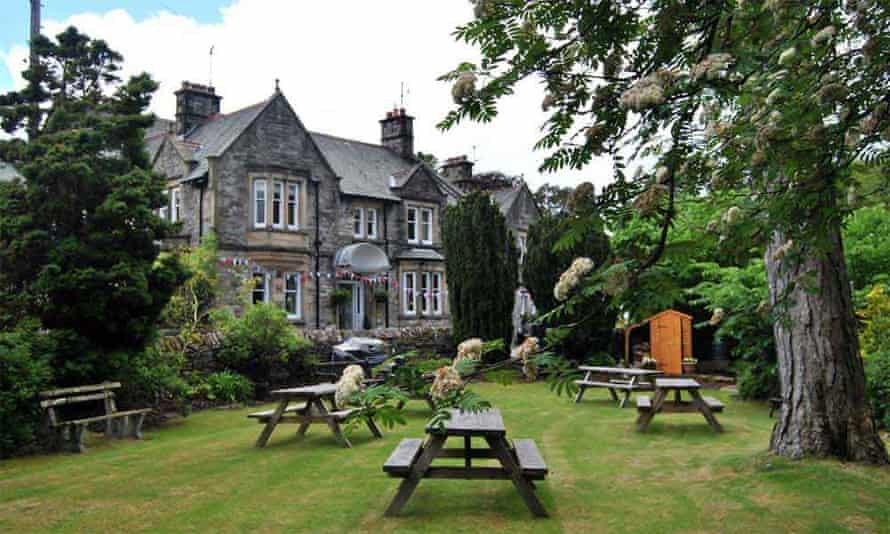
689	365
381	294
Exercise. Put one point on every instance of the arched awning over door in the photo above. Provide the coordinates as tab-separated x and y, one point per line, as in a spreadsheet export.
362	258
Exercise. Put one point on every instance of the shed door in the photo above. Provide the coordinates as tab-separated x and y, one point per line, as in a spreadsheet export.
667	345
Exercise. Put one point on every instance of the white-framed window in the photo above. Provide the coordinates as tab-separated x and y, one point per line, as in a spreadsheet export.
175	203
409	290
371	223
293	206
260	288
358	222
426	226
277	205
293	295
426	293
437	302
259	203
163	210
413	230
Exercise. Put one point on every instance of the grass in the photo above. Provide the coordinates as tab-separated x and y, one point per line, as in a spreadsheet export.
203	474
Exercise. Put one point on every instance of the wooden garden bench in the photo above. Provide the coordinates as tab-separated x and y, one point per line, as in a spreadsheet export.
70	432
627	380
648	407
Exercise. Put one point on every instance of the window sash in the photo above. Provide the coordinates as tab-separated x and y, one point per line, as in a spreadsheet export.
259	203
260	288
409	305
412	225
293	206
293	295
426	225
358	221
174	205
277	205
372	223
437	293
426	293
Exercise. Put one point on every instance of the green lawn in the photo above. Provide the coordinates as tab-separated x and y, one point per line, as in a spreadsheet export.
202	474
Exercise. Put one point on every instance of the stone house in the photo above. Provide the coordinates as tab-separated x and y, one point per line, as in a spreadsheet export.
517	204
336	231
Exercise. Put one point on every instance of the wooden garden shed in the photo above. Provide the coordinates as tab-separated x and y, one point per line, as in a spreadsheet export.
670	338
670	335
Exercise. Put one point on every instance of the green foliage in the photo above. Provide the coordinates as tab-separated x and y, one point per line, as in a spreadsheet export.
877	376
225	386
561	373
867	247
154	378
191	306
553	199
756	379
259	338
379	402
24	372
482	270
78	236
874	337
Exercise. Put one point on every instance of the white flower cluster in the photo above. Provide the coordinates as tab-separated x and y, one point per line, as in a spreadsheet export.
617	281
717	317
447	380
524	353
481	8
713	67
732	215
350	382
650	199
570	279
823	36
464	88
648	91
470	349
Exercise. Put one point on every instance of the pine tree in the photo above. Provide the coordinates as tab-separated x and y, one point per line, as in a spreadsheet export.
79	236
482	269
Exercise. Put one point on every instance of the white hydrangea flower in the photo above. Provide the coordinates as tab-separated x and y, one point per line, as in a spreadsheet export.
470	349
824	35
447	380
350	382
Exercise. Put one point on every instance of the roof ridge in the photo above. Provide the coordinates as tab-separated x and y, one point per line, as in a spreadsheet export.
341	138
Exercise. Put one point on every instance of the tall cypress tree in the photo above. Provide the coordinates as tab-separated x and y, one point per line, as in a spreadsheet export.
482	268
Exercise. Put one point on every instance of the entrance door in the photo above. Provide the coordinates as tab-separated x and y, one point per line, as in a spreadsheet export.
358	306
665	343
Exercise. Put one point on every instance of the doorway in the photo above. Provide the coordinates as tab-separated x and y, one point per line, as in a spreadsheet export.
354	308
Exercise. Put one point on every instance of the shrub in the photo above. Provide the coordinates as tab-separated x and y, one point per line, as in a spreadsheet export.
227	387
756	379
877	377
875	314
260	341
24	372
153	378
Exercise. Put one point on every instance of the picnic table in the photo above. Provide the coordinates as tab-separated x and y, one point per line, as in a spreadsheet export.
624	379
520	462
311	410
707	406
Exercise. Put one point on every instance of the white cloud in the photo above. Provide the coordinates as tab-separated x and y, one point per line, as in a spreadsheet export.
340	63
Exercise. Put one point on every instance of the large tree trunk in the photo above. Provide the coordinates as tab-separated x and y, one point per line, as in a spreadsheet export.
824	411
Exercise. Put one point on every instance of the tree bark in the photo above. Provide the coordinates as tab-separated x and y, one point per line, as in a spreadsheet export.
824	410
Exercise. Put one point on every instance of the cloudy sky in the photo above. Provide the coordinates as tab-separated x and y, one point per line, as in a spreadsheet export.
341	64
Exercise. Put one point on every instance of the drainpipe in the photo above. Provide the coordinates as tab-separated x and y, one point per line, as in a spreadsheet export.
202	184
386	250
317	263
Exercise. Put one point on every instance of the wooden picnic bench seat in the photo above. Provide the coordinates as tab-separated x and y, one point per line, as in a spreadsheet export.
714	404
266	414
402	458
644	404
610	385
531	462
69	432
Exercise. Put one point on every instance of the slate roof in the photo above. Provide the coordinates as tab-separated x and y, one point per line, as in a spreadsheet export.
8	172
505	199
155	134
364	169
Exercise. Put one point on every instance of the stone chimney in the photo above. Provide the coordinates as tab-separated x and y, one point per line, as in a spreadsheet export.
195	103
397	132
457	170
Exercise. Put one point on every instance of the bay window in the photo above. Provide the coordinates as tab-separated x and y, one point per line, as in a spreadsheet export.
293	207
260	288
409	288
426	293
259	203
293	295
437	293
277	205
